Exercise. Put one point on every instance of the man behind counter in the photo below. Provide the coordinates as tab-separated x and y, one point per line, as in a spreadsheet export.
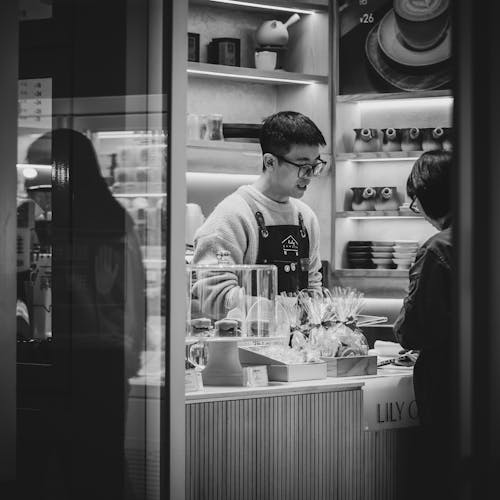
266	223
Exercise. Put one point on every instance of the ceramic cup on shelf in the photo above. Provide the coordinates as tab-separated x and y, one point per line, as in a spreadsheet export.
411	139
265	60
362	198
391	139
386	198
366	140
432	138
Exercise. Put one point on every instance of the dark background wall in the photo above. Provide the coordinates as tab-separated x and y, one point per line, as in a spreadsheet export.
90	48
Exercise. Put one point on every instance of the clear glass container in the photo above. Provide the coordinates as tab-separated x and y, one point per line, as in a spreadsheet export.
231	300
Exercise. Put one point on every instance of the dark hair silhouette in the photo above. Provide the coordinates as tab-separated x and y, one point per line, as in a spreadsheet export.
78	188
285	128
430	182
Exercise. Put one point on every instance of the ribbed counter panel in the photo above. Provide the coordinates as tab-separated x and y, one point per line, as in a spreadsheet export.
291	447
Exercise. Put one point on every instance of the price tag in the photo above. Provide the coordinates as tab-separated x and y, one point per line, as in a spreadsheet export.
193	381
255	376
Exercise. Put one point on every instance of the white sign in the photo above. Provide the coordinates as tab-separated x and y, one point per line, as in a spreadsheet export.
389	403
35	103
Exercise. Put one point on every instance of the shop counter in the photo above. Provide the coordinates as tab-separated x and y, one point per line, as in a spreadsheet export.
336	438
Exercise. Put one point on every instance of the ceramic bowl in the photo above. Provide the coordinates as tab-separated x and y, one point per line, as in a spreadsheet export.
382	243
383	263
404	249
404	255
382	255
406	243
403	263
382	249
359	248
354	243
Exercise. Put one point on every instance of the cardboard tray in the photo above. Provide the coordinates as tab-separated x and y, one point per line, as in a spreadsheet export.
351	366
292	373
280	371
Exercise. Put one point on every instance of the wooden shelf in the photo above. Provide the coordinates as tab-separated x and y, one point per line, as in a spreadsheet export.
270	5
396	95
237	73
251	148
372	273
377	214
379	156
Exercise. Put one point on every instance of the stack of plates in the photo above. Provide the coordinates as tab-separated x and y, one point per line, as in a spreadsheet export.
404	253
399	254
359	254
382	254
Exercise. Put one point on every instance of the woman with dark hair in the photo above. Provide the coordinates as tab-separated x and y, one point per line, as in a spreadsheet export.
425	320
98	317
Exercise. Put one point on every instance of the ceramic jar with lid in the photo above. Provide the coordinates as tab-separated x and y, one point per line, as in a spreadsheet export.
366	140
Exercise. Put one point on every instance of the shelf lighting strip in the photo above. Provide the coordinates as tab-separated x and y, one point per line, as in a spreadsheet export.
264	6
249	77
369	160
380	217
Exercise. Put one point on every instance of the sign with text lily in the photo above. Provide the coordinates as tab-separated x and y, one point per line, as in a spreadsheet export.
389	403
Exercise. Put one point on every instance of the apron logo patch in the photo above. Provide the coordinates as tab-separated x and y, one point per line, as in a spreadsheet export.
290	245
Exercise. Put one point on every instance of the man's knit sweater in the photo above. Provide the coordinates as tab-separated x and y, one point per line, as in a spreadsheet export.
232	226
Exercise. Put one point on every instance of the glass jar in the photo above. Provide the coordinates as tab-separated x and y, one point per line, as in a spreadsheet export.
214	127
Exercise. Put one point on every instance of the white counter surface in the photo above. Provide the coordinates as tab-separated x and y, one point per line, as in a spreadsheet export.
151	383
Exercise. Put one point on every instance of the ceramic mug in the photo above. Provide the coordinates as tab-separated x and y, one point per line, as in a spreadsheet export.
362	198
386	198
366	140
411	139
391	139
432	138
265	60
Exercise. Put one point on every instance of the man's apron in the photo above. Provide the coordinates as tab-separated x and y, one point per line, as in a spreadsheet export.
285	246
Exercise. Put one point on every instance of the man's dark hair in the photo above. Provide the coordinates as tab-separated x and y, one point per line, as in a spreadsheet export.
430	182
286	128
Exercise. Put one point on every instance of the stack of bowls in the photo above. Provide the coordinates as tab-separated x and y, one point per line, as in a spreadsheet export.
404	253
359	254
381	253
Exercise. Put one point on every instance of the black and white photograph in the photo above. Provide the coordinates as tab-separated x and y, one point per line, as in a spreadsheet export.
249	250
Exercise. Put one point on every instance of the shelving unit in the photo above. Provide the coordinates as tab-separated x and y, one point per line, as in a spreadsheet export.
277	6
252	75
372	169
379	156
372	273
377	214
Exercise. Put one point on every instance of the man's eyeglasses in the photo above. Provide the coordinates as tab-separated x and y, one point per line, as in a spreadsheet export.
414	207
306	169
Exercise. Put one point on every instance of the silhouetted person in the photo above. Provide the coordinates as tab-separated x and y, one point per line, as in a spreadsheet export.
98	322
